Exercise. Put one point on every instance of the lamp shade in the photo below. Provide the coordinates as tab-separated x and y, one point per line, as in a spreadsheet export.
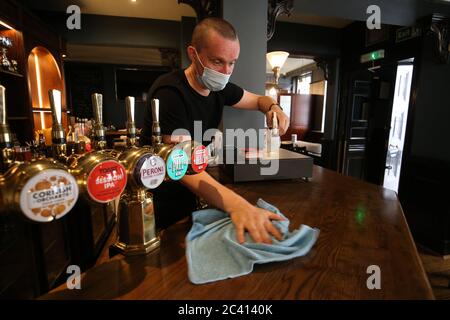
277	58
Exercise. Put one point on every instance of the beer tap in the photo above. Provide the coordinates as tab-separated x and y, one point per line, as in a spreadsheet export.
187	157
135	217
197	154
176	159
100	176
41	189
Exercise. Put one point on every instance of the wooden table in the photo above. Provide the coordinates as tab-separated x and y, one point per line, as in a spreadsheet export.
361	225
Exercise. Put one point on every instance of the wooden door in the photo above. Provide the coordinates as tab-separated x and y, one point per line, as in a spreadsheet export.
356	129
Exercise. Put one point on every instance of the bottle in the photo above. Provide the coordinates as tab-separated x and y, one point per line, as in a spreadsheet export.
42	147
275	140
69	134
70	142
81	123
294	141
41	140
294	138
267	140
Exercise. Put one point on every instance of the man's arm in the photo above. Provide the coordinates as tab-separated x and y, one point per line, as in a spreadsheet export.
245	216
266	105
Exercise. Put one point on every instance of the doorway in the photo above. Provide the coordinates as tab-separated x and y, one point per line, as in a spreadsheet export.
365	129
355	126
398	126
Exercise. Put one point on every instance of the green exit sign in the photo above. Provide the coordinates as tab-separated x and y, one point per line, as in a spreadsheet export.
372	56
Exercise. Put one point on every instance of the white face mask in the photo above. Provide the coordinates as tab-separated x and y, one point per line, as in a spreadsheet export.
212	79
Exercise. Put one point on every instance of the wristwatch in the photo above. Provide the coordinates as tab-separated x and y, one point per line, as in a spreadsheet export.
275	104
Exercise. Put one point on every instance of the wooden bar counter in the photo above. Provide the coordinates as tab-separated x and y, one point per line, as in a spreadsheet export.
360	225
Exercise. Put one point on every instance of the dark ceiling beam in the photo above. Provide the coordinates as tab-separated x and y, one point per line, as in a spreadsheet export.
204	8
395	12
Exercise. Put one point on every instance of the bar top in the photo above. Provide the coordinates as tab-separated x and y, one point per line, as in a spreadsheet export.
360	224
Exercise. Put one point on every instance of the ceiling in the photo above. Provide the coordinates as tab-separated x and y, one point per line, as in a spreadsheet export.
305	12
162	9
330	22
149	9
291	64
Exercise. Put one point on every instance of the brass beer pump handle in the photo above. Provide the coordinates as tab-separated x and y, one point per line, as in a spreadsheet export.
58	133
97	105
99	130
156	129
131	125
55	103
129	104
155	110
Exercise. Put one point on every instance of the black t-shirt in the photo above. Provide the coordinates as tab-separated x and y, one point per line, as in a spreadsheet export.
179	106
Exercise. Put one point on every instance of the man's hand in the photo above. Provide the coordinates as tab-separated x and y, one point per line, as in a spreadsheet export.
251	101
283	119
257	222
244	215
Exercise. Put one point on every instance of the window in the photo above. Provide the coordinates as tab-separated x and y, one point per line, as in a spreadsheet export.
285	103
303	83
319	89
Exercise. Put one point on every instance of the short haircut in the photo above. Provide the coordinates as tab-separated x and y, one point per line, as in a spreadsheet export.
201	31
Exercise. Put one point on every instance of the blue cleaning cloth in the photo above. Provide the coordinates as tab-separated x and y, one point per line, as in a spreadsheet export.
213	252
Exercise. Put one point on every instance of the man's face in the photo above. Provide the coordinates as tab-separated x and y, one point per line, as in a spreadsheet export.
219	54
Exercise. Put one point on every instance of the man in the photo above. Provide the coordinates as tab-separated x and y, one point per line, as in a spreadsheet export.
199	93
